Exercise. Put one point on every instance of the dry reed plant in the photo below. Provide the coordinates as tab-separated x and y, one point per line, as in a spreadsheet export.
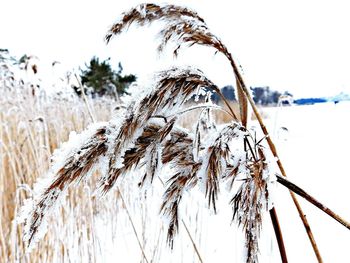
147	137
31	128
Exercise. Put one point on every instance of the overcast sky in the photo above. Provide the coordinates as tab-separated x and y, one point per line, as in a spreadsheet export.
299	46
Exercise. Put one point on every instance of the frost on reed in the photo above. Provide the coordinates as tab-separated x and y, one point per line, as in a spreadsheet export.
147	134
31	127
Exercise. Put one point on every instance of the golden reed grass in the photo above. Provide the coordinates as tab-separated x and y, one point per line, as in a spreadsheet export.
30	131
147	135
32	127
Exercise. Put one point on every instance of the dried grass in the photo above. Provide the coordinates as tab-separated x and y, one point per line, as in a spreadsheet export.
143	140
30	130
148	136
137	141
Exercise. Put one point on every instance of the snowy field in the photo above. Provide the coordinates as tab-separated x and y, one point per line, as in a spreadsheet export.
314	150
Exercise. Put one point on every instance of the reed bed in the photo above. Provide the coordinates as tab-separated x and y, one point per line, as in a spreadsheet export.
84	228
31	129
143	146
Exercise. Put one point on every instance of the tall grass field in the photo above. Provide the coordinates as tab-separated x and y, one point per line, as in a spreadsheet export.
165	174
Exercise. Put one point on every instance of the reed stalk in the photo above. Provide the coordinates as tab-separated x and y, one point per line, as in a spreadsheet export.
296	189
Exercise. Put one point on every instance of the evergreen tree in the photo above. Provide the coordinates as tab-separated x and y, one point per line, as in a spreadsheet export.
103	80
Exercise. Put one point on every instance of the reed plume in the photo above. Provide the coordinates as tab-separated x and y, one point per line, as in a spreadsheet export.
75	167
172	89
184	28
251	199
178	151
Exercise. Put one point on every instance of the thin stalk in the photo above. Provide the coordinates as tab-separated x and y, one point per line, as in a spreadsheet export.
226	102
155	250
203	106
92	222
272	146
278	233
296	189
307	227
2	240
85	99
192	241
187	231
132	225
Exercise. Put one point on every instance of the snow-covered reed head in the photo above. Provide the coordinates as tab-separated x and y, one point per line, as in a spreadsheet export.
147	134
185	28
182	26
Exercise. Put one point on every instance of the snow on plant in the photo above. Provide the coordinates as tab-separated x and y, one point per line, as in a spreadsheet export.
147	134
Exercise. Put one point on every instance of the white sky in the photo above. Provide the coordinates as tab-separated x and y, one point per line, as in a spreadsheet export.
299	46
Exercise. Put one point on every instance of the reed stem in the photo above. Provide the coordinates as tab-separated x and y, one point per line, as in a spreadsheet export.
296	189
241	85
279	236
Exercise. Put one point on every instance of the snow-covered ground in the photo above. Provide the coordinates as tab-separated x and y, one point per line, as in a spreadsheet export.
315	152
313	144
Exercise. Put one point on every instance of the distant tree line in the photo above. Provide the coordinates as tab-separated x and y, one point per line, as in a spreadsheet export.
227	91
98	77
261	95
265	96
101	79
